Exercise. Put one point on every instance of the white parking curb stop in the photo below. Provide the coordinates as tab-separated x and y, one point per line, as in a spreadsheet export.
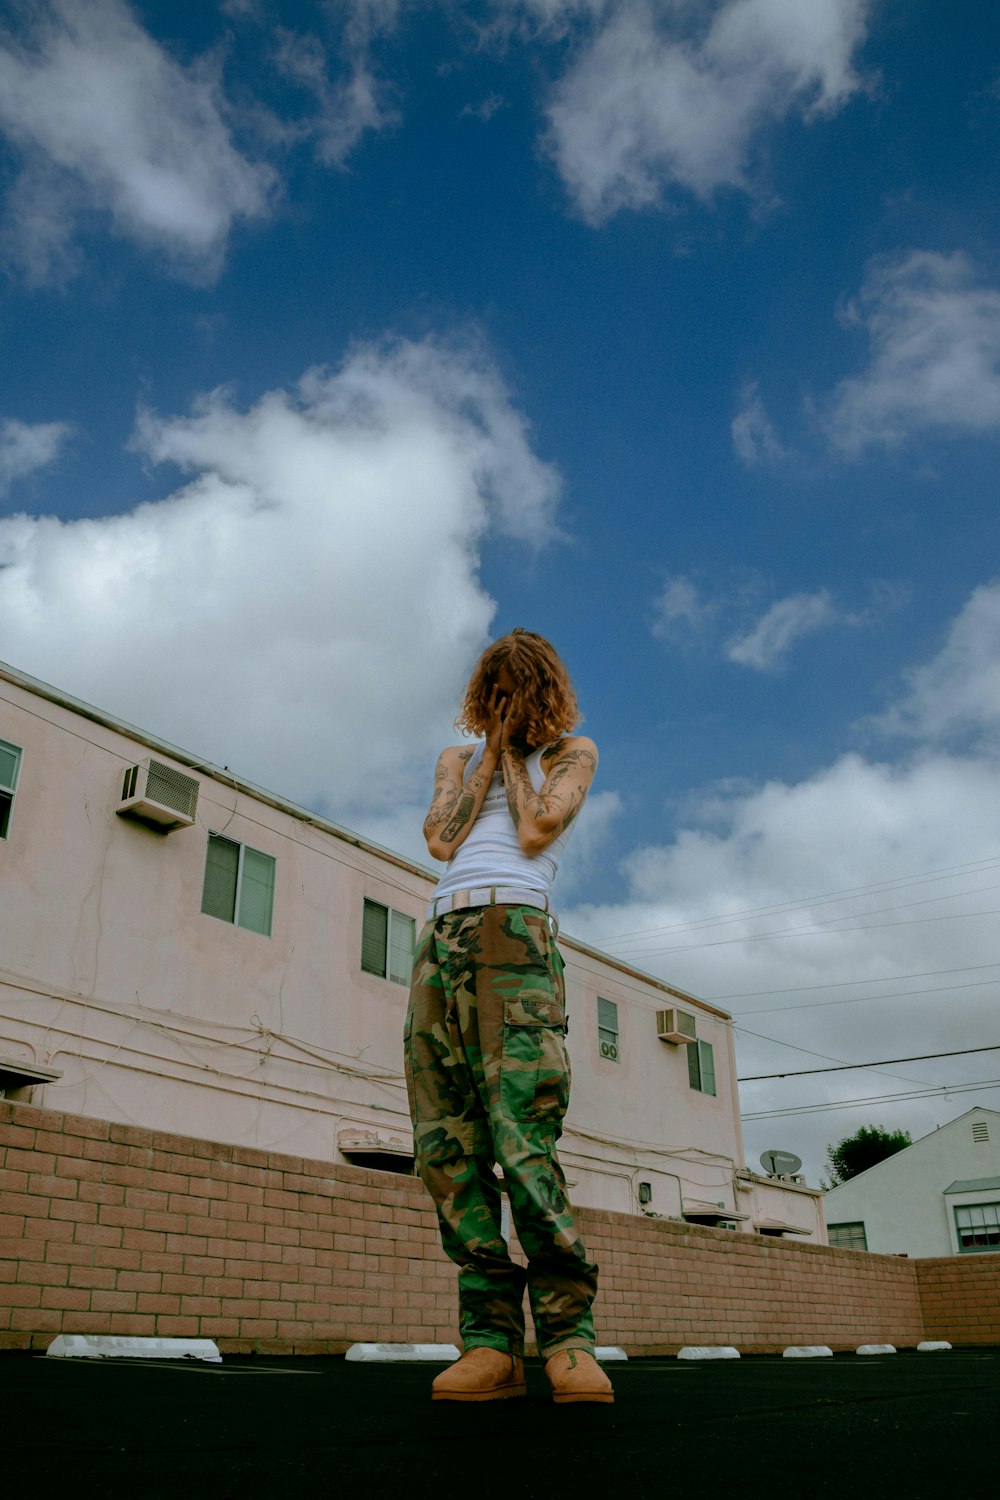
402	1353
107	1346
708	1351
807	1351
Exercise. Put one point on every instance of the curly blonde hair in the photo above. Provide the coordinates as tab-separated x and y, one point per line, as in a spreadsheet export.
546	700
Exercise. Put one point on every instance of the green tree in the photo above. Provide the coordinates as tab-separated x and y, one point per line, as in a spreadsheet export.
869	1145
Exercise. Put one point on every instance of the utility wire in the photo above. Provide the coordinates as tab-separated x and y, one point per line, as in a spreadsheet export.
815	931
884	1061
840	984
826	1056
927	877
937	989
870	1100
847	916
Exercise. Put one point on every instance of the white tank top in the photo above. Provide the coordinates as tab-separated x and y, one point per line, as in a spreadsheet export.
490	853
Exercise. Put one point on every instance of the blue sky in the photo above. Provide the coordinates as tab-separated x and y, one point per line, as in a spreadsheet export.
342	336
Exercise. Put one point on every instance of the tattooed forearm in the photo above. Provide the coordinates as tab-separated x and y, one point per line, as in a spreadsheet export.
521	795
458	822
442	805
464	805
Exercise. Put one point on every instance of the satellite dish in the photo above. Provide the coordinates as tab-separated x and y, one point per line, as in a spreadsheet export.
779	1163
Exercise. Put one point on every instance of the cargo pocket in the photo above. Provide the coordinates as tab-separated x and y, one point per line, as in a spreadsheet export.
534	1067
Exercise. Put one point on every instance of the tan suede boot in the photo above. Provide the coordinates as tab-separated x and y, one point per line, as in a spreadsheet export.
480	1375
575	1375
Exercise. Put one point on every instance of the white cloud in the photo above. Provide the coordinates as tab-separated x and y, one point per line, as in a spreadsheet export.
731	621
681	608
767	644
676	96
26	447
306	608
355	104
839	901
754	437
106	120
956	695
934	331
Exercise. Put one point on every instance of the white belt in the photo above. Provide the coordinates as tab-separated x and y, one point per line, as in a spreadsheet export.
489	895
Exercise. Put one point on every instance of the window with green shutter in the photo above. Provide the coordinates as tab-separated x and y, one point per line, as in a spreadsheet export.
10	765
701	1067
402	936
374	938
239	884
608	1041
387	942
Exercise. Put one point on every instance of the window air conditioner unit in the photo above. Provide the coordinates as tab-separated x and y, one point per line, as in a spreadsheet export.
157	794
608	1049
675	1026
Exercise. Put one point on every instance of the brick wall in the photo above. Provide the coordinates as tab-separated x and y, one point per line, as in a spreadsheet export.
109	1228
961	1298
113	1229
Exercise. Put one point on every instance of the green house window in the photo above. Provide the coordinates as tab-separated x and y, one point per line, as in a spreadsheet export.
701	1067
239	885
10	765
978	1227
608	1040
388	938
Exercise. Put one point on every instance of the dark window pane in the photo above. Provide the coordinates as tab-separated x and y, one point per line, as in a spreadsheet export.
218	898
374	933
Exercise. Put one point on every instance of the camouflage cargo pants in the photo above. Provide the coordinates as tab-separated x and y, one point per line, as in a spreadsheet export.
488	1080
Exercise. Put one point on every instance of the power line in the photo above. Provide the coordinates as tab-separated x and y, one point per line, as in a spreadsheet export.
927	877
816	931
937	989
840	984
811	1052
872	1100
882	1062
849	916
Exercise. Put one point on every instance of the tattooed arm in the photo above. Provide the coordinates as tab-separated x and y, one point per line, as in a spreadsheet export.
540	817
458	794
457	798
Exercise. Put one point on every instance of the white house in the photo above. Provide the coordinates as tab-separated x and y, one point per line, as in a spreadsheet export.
939	1196
184	951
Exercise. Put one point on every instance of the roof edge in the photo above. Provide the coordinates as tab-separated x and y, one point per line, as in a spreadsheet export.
228	778
208	768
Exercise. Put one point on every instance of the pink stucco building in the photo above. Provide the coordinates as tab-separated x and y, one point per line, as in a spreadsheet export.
183	951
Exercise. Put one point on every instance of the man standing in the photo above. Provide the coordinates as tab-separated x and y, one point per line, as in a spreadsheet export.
486	1064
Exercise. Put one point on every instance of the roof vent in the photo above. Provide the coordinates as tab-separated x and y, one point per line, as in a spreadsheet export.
157	794
980	1131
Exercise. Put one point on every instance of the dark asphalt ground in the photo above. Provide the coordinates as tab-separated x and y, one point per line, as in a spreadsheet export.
907	1425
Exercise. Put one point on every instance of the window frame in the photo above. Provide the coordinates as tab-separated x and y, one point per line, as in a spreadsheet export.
957	1208
8	792
608	1036
236	919
392	918
850	1224
697	1071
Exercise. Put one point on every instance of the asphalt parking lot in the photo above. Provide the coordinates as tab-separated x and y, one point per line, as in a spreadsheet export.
912	1423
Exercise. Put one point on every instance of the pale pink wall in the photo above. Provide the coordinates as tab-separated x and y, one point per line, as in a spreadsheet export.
163	1017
